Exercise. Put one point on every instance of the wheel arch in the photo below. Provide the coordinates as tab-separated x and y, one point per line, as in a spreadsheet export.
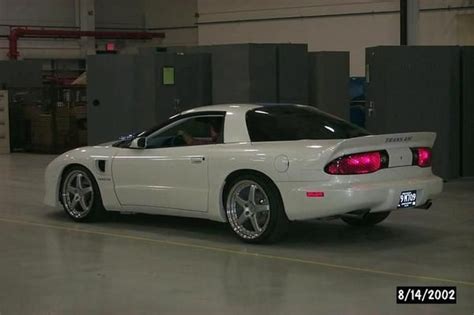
64	170
233	175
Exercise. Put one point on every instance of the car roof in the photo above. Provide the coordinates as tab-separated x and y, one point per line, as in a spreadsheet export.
223	108
235	107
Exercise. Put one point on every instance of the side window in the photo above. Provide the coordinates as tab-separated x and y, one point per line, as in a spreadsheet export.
198	130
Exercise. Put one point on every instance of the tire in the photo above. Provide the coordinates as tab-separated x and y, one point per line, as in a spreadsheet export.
83	203
369	219
257	219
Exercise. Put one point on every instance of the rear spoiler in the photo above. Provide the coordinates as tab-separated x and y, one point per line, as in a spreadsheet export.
385	141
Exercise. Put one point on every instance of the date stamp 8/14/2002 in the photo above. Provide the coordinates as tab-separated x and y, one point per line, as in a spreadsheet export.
426	295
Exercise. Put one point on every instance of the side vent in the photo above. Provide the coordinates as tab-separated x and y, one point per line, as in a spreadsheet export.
101	165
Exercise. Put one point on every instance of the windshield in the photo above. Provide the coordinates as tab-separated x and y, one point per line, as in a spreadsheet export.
297	122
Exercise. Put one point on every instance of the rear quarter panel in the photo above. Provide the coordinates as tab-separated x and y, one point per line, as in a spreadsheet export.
306	161
225	159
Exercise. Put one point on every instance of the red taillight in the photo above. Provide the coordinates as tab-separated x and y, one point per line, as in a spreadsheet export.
315	194
358	163
421	156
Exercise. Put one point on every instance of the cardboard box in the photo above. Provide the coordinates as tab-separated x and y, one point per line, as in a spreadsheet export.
31	112
79	112
63	111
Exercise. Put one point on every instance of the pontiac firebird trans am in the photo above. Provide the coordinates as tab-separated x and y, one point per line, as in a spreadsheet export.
256	167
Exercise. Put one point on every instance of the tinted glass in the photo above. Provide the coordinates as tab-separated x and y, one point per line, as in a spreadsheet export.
199	130
297	122
125	143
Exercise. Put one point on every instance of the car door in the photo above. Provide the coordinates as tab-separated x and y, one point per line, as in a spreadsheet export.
172	171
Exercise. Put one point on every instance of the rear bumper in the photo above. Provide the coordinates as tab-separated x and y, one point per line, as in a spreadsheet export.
340	198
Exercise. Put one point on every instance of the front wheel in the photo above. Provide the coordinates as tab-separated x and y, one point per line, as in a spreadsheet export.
255	210
367	220
80	195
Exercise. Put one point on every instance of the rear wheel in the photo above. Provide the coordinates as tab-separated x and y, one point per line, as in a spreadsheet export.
254	209
80	195
367	220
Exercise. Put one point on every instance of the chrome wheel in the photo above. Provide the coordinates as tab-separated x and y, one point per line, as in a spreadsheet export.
77	194
248	209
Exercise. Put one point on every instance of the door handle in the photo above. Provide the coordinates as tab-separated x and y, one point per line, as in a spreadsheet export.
371	109
177	101
197	159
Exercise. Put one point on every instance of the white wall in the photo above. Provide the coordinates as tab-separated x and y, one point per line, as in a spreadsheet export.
349	25
119	14
31	12
175	18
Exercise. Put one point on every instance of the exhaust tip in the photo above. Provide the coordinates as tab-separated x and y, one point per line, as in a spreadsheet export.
426	205
357	214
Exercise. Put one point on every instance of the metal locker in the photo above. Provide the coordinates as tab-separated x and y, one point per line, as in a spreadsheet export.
292	73
191	86
329	82
240	72
467	111
416	88
110	97
127	94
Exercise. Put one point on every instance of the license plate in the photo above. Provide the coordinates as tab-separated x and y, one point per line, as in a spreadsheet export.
407	199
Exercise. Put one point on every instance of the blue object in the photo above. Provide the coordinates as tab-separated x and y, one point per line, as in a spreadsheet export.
357	89
357	114
357	97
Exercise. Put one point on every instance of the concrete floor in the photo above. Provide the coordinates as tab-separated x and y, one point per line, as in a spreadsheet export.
137	264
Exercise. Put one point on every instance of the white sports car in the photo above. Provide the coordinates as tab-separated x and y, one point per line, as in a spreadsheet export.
257	167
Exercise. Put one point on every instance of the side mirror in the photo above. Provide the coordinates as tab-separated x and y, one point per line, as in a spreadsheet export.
138	143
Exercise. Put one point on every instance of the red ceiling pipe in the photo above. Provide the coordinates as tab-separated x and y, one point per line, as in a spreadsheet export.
16	33
13	44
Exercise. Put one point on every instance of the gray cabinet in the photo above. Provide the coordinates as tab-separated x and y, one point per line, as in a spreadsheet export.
111	105
130	93
467	111
191	86
256	73
240	72
292	73
416	88
329	82
20	73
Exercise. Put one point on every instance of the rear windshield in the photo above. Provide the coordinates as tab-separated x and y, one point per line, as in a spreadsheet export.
297	122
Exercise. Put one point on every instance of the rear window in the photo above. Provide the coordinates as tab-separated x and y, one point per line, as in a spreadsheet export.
297	122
